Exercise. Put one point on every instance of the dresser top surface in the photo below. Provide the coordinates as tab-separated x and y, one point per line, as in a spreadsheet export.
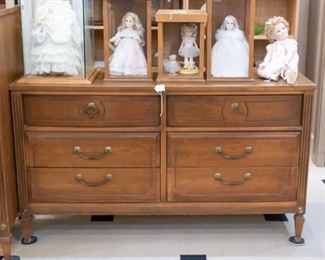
100	85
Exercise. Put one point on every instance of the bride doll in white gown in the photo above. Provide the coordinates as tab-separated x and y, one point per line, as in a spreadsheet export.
230	54
56	40
128	57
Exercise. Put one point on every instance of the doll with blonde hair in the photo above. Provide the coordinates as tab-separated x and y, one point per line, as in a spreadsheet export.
189	49
282	57
128	57
230	53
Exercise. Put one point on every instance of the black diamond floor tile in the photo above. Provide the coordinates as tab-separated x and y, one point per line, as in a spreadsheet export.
275	217
14	257
102	218
193	257
323	181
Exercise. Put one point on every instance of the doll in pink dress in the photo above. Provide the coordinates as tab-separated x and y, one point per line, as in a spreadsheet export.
189	49
282	57
128	57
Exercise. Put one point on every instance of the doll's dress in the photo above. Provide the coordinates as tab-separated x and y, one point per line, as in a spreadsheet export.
230	54
188	48
279	55
56	44
128	57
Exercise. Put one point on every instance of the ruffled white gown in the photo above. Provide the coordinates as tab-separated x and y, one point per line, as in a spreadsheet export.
279	55
128	57
230	54
188	48
56	40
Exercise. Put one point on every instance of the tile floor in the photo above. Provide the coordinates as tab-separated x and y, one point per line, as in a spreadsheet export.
166	238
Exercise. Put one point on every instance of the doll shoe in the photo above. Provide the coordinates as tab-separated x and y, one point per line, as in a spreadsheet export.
275	77
292	76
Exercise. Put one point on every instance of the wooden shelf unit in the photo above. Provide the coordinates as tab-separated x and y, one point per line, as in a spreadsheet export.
266	9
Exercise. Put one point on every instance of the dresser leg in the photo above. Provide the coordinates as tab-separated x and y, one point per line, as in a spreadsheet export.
299	223
26	221
6	247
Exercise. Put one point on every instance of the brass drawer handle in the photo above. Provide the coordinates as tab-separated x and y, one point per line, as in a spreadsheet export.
79	178
248	150
218	177
107	150
91	110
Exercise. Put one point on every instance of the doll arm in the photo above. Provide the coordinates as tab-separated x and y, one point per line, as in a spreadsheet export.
293	57
181	47
116	39
195	45
268	57
39	34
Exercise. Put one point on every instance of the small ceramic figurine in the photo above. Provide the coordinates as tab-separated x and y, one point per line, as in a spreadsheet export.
189	49
128	57
230	53
171	65
56	40
282	57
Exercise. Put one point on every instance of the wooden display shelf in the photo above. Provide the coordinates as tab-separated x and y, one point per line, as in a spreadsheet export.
181	16
95	27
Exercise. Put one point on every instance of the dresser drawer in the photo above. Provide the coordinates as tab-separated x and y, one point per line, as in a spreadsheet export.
232	184
93	185
233	149
244	111
135	150
109	111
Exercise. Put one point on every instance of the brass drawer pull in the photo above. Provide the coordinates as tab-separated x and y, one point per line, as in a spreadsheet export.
218	177
91	110
107	150
248	150
79	178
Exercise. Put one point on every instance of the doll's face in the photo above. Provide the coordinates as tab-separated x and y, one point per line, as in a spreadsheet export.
129	22
280	32
230	25
188	32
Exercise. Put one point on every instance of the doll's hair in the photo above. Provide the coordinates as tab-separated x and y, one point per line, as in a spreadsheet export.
271	23
192	27
229	17
137	27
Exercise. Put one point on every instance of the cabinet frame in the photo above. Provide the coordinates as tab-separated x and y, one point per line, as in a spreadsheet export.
108	52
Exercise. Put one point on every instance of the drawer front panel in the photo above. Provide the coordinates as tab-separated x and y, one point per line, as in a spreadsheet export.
92	150
244	111
232	184
109	111
233	149
94	185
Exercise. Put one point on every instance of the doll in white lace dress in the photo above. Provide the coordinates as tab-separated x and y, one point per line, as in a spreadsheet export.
189	49
128	57
56	40
282	57
230	53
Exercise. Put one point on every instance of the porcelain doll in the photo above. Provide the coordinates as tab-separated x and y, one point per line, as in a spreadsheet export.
128	57
171	65
56	40
230	53
282	57
189	49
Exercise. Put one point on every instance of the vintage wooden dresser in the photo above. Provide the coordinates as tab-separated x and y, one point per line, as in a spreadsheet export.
199	149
